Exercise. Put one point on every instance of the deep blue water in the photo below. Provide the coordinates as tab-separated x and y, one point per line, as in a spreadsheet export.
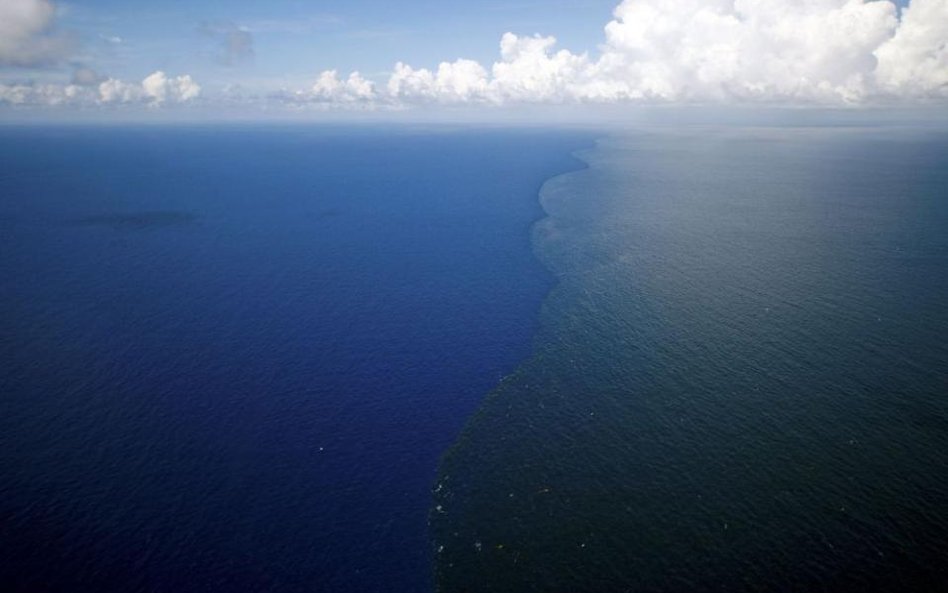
231	358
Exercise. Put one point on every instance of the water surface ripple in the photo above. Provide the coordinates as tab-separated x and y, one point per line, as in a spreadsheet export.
740	382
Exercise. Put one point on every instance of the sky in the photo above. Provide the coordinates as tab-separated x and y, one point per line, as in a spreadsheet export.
375	55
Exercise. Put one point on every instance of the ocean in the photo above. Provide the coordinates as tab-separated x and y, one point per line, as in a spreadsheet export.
231	357
407	359
740	382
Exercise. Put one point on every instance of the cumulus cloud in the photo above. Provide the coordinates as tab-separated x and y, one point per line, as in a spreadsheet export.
43	94
329	89
915	59
158	88
458	81
353	89
748	49
155	90
697	51
26	36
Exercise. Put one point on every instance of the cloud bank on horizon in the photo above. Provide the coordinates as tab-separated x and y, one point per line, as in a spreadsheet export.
810	51
28	39
154	90
819	52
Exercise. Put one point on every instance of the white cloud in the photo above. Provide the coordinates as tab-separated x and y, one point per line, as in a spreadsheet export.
745	51
155	90
915	59
158	88
814	50
25	35
330	89
460	81
42	94
117	91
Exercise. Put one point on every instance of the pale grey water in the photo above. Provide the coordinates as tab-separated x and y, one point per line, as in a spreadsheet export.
741	380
